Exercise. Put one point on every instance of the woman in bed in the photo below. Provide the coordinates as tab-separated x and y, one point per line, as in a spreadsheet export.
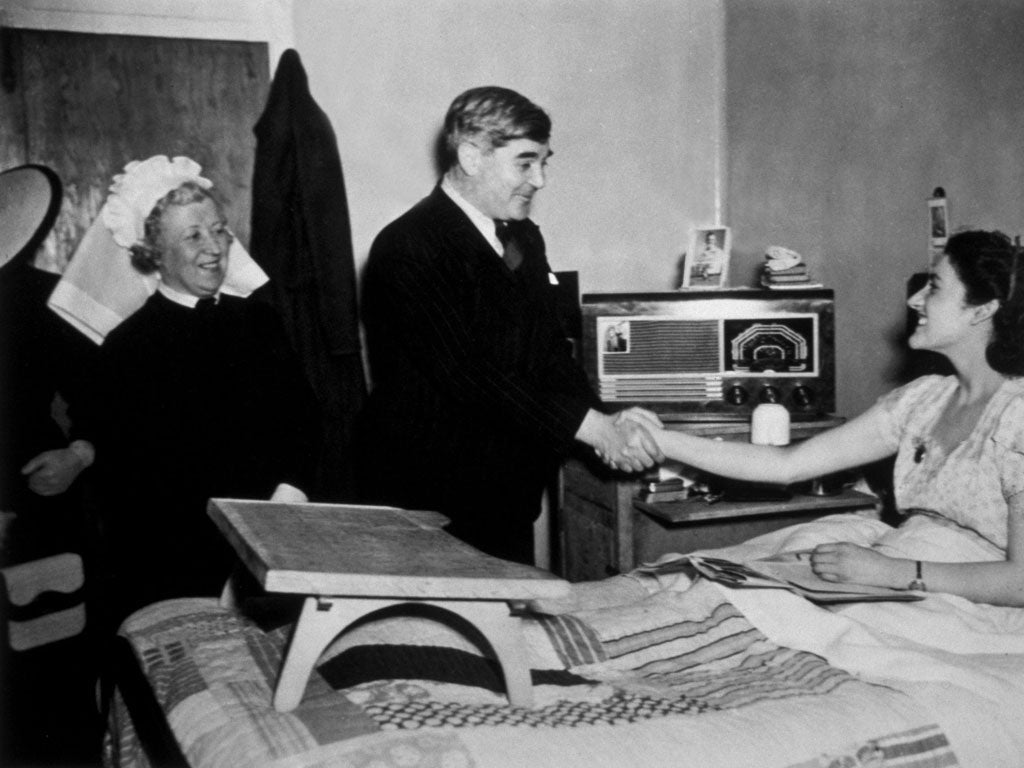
958	441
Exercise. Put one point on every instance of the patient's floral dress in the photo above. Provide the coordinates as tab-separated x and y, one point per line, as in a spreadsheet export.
967	487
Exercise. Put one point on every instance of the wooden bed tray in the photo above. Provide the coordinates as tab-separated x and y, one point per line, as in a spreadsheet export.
354	561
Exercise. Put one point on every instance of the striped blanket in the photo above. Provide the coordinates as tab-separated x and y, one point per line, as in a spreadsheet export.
675	678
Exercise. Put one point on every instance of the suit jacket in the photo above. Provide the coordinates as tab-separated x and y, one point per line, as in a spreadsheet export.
476	397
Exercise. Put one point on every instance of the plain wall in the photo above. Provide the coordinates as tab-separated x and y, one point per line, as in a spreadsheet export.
842	117
633	89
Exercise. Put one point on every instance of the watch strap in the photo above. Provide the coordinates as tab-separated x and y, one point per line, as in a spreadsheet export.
918	584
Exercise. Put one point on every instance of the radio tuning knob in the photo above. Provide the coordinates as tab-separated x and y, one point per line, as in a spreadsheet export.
803	396
770	395
736	395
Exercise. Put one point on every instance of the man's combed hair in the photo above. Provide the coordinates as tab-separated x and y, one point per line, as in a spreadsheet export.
491	117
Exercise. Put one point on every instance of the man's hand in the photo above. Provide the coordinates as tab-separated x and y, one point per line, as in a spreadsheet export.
643	417
52	472
625	445
639	446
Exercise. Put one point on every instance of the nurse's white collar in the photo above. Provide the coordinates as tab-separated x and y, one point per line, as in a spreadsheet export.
184	299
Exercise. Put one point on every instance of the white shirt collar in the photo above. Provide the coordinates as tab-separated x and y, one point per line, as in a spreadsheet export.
484	223
184	299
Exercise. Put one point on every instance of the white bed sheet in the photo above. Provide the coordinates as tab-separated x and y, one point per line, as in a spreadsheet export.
965	660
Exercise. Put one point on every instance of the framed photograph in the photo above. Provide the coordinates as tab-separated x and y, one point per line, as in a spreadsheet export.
614	334
706	264
938	221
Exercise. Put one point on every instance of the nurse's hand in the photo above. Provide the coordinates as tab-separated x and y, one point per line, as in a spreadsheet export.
52	472
288	494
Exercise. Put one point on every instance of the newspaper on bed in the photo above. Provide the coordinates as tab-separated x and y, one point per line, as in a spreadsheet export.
786	570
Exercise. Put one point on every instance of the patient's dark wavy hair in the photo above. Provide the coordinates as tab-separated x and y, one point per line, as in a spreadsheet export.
989	265
492	116
146	254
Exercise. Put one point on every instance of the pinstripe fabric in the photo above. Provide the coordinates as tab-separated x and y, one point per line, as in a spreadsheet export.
475	395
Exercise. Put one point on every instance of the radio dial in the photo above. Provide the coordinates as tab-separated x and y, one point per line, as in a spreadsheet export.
803	396
737	395
770	394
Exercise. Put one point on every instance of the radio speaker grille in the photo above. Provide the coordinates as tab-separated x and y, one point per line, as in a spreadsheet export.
667	346
662	390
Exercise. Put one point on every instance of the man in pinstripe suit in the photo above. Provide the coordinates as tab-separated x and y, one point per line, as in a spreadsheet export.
476	398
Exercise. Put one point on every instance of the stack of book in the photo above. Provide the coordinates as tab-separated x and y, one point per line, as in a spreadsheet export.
785	268
791	277
658	491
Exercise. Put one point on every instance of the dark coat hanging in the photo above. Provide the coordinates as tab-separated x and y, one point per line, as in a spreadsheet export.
302	238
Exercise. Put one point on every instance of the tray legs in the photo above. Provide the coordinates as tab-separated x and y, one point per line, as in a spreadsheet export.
324	618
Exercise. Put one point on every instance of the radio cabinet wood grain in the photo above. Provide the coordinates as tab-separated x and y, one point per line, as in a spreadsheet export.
603	529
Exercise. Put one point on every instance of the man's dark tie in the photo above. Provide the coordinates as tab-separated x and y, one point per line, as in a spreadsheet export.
513	256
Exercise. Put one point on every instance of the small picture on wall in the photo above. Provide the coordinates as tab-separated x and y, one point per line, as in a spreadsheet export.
707	258
938	215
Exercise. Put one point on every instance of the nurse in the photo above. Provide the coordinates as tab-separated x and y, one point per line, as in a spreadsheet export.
199	396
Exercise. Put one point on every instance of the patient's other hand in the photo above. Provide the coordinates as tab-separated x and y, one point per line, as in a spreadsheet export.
850	563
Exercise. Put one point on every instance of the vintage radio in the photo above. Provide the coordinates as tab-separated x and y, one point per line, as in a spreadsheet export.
712	355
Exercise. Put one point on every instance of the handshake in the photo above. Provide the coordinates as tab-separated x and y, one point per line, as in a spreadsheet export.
625	441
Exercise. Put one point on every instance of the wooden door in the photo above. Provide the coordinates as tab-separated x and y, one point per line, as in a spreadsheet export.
86	104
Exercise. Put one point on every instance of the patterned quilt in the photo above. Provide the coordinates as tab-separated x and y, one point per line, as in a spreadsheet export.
679	678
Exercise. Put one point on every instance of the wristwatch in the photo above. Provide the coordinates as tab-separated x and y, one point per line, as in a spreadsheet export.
918	584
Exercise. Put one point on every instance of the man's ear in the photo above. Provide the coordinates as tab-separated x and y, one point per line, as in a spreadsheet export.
985	311
469	158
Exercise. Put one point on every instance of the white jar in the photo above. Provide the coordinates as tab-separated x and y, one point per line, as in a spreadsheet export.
769	425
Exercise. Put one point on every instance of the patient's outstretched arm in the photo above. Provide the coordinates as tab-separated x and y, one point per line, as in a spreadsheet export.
859	441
